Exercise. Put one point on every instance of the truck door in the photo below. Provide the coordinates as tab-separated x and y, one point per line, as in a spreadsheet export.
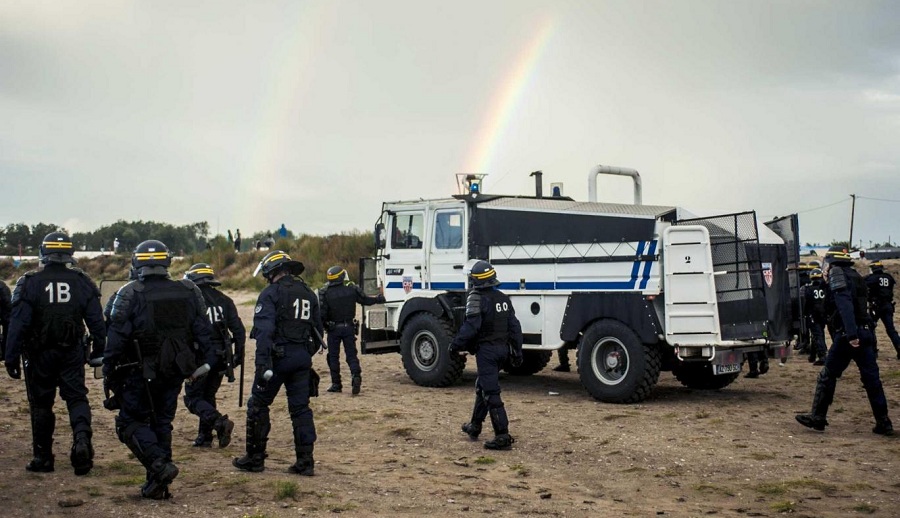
447	250
405	257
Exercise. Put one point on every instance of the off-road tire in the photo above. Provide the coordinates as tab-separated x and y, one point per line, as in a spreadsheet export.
608	341
424	345
700	376
532	363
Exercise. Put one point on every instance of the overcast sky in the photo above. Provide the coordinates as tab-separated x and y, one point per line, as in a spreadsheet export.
253	114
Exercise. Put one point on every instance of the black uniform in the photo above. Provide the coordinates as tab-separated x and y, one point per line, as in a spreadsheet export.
49	309
814	305
490	326
338	305
200	396
5	309
286	312
881	303
845	305
155	323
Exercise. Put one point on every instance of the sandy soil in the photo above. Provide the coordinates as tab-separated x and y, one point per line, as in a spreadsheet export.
396	450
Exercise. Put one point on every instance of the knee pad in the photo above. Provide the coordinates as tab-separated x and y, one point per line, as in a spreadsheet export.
255	408
825	376
493	401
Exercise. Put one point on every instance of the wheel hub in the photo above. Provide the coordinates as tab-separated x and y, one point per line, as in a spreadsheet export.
612	360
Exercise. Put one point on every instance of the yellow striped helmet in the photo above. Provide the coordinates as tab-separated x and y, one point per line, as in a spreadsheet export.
336	276
202	273
57	248
876	266
274	261
151	253
815	274
838	254
483	275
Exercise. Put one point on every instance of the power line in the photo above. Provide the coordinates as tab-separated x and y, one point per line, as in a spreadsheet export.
824	206
878	199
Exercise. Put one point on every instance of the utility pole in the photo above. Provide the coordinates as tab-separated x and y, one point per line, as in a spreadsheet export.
852	214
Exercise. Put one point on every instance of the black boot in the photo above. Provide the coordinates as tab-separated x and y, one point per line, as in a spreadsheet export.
502	441
356	383
305	464
335	387
255	462
204	436
812	421
82	455
42	461
160	474
223	428
472	430
883	426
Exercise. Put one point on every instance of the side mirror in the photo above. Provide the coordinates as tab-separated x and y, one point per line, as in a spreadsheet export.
380	241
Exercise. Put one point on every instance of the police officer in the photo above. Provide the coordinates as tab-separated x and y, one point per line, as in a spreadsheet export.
814	304
881	301
338	300
154	326
200	396
49	309
286	314
5	309
492	333
852	339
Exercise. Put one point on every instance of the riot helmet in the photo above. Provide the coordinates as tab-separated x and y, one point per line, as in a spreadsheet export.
483	275
276	261
202	273
876	266
56	248
815	274
336	276
151	257
815	264
838	255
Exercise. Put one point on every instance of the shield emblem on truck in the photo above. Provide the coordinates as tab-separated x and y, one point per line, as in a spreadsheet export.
407	284
768	274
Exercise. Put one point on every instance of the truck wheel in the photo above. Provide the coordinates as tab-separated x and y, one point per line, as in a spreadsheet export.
614	366
699	375
532	363
423	346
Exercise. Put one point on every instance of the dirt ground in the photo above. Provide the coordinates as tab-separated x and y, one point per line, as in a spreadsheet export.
396	450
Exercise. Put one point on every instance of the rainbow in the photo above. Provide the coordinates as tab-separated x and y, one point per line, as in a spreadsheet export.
505	100
291	62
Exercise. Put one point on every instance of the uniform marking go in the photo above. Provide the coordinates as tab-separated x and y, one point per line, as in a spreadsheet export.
502	307
63	292
301	309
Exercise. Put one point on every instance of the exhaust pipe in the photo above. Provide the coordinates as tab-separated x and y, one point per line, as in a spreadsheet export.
615	171
538	184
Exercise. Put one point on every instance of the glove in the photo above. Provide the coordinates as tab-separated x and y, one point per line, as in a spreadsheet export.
454	348
96	361
14	369
238	357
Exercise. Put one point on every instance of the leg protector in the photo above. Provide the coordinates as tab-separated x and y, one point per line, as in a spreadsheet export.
305	464
499	420
824	396
258	426
480	410
82	455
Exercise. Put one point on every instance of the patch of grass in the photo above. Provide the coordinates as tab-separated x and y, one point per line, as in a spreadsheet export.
92	491
771	489
604	442
613	417
520	470
859	486
485	460
285	489
713	489
839	410
349	417
865	508
718	420
701	414
135	480
891	375
342	507
391	414
670	415
402	432
811	483
121	467
761	456
634	469
256	514
233	482
785	506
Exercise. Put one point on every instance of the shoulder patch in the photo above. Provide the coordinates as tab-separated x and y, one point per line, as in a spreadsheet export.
837	278
258	308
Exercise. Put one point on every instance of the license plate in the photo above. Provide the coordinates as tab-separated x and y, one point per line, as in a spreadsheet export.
731	368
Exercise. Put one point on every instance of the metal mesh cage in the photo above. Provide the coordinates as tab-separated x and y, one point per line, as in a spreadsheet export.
734	242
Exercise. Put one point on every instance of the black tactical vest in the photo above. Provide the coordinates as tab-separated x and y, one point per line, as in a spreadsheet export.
857	288
815	297
57	320
294	312
495	307
165	336
215	312
883	288
341	303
